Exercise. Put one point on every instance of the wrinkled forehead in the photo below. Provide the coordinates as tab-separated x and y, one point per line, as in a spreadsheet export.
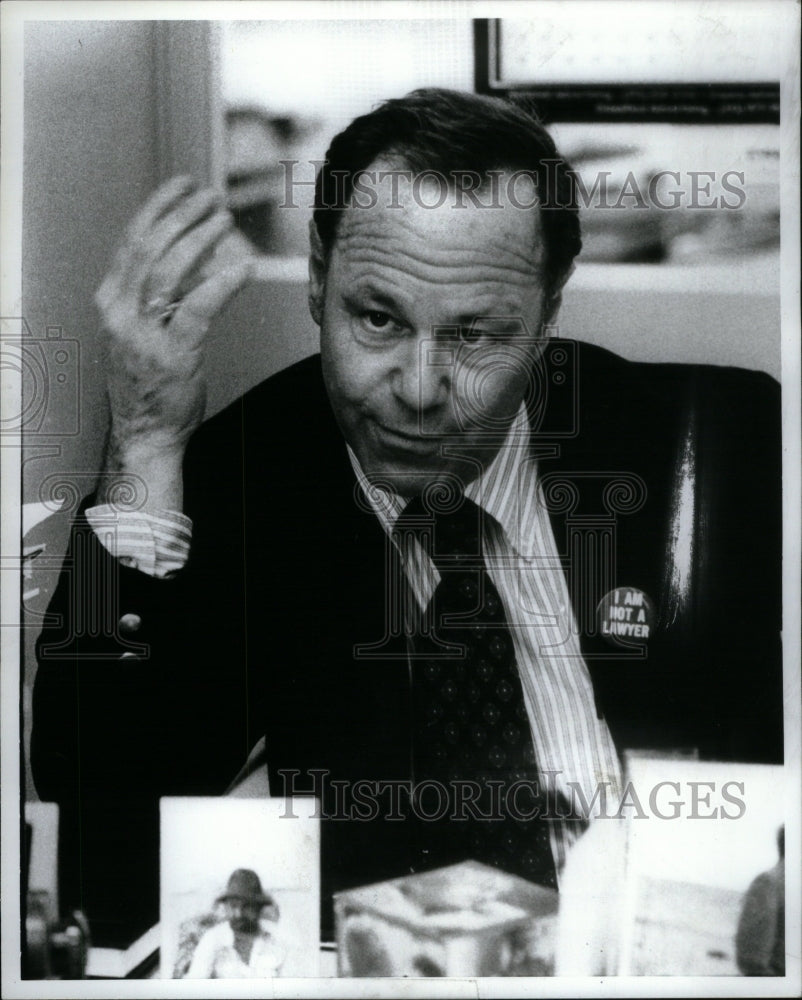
429	216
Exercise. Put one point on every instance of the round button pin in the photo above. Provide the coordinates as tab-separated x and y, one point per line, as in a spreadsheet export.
626	616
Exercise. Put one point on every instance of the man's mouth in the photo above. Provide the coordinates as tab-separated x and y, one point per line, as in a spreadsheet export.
407	440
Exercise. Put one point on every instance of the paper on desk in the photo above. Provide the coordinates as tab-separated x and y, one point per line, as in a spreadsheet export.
35	513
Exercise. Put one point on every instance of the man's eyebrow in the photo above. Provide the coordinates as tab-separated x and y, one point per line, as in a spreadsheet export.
501	313
367	289
498	315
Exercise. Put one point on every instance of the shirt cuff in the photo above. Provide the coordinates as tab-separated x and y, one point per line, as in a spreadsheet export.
154	542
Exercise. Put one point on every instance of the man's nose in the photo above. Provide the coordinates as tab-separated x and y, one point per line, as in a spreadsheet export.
422	375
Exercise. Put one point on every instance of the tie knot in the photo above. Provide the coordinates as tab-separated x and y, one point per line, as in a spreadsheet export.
451	531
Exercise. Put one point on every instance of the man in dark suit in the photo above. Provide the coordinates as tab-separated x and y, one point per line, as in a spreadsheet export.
293	570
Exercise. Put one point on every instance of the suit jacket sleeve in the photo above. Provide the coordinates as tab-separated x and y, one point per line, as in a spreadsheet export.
120	719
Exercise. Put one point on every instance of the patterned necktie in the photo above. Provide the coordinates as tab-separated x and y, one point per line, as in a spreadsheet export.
473	762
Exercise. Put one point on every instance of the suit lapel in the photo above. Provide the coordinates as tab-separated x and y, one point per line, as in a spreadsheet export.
613	484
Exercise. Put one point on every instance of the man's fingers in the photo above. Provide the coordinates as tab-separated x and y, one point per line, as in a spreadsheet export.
176	223
156	244
186	257
164	198
200	305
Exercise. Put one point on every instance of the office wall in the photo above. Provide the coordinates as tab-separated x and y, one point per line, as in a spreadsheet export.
88	161
723	314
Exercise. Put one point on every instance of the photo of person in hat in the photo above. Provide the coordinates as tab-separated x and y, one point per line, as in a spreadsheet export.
240	946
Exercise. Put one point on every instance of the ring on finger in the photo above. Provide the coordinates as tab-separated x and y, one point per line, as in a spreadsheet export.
162	307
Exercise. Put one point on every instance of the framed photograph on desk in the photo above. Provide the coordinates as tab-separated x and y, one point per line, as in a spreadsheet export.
240	888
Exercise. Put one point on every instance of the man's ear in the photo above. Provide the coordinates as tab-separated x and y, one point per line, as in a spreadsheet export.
317	274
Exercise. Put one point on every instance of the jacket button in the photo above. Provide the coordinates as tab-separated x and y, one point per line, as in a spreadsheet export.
130	623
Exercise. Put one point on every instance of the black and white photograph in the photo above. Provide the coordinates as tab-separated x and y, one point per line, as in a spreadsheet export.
699	893
401	488
708	896
240	888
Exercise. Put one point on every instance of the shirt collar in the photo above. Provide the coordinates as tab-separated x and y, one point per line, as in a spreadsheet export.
505	490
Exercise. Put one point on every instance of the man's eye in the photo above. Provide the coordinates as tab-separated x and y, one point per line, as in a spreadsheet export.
378	320
377	325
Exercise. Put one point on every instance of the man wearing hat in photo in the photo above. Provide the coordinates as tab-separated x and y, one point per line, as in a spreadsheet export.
239	947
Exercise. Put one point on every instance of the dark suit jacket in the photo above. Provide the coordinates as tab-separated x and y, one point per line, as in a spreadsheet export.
286	574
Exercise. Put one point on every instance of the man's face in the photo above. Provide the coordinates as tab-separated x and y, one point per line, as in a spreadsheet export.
425	358
243	916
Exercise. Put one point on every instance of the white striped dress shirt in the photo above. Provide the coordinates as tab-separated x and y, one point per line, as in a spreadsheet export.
154	541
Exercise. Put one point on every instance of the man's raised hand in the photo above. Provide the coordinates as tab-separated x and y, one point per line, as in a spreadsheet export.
156	304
